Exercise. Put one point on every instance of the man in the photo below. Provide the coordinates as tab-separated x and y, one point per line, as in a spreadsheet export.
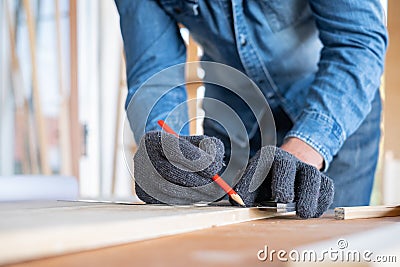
318	65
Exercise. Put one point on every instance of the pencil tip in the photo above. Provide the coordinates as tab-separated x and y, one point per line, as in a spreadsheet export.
238	199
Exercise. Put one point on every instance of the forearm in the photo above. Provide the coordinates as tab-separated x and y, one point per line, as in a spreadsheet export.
303	152
349	70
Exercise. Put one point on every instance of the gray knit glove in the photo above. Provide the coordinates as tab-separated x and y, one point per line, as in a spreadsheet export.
288	180
172	170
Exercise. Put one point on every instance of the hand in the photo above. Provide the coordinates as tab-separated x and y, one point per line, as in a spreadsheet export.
303	152
281	177
168	169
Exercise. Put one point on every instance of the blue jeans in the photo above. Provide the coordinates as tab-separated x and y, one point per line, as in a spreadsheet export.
352	169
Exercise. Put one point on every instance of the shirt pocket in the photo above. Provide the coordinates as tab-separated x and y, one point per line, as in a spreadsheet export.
282	14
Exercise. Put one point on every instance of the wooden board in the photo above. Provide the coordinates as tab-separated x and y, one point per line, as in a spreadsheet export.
209	247
39	229
75	126
361	212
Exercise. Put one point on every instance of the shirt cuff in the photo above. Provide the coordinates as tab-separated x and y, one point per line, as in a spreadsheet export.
321	132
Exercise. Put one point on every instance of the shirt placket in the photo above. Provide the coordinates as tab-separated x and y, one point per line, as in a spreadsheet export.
250	61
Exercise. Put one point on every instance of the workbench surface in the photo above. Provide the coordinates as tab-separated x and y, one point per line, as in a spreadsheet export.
232	245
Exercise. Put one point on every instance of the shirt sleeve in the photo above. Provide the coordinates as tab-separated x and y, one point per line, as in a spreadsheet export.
153	44
351	63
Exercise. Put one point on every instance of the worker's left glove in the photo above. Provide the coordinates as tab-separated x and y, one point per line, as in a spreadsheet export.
177	170
276	175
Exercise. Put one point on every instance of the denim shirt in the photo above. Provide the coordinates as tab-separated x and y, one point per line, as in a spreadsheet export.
321	61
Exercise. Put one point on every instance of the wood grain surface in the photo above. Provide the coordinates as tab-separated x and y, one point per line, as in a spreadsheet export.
210	247
30	230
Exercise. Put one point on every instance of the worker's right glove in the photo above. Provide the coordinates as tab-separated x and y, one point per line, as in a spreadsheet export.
288	180
177	170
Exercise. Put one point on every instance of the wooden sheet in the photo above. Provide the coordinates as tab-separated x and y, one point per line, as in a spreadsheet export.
39	229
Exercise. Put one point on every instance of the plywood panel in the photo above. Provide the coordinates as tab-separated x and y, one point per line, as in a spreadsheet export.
39	229
75	126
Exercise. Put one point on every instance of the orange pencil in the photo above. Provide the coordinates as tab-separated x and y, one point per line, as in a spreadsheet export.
226	187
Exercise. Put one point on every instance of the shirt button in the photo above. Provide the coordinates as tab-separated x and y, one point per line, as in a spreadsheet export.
242	39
